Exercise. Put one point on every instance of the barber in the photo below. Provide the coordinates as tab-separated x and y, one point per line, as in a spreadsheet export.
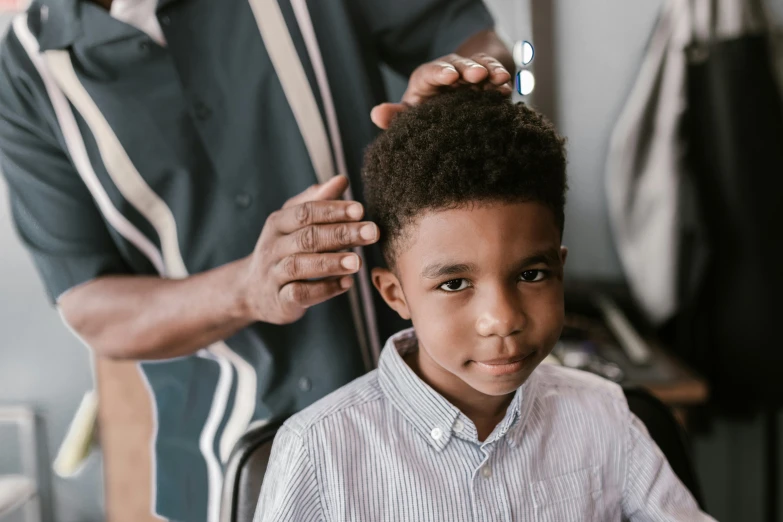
164	187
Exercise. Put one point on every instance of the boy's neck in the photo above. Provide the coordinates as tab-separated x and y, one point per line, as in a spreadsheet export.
485	411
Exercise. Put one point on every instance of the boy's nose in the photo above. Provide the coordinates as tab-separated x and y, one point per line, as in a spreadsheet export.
502	315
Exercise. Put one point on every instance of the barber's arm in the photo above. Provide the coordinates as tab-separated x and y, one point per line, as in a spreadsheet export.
437	44
292	268
144	316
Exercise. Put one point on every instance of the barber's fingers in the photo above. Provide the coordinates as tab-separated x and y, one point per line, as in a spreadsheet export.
328	238
450	70
469	69
304	267
429	79
498	75
332	189
302	294
290	219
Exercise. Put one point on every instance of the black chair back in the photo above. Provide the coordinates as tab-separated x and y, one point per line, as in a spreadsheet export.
245	472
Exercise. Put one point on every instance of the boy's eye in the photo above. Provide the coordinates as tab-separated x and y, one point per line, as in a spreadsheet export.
455	285
530	276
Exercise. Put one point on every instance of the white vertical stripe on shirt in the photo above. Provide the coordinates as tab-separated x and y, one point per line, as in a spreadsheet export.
136	191
78	153
301	99
314	53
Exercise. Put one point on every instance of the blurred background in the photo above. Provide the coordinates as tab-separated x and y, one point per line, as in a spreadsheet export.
588	58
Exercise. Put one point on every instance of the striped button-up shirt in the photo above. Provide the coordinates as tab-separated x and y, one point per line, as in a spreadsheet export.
389	447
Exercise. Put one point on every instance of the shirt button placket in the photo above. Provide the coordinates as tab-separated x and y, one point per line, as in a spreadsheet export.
243	200
201	111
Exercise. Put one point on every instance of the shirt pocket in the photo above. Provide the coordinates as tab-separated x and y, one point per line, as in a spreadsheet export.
573	497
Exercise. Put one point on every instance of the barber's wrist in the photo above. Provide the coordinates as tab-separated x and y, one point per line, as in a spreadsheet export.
243	307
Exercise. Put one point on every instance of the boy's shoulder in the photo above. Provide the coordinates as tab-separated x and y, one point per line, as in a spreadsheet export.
563	382
359	393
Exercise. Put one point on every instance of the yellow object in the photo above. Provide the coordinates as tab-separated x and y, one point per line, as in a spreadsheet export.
79	439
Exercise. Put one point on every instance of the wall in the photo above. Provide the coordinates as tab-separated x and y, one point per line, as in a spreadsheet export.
42	365
598	45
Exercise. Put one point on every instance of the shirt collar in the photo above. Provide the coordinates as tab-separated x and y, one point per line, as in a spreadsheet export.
430	413
55	23
58	24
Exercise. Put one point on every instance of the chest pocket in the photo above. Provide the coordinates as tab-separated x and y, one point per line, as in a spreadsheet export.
573	497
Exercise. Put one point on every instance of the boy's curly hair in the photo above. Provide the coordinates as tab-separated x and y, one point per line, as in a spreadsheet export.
461	147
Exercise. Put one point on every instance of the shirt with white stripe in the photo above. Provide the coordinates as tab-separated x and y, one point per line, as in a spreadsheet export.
389	447
124	156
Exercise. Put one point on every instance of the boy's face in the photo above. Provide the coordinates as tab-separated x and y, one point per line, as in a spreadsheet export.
484	287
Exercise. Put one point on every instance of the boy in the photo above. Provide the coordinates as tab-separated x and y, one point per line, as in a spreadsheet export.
459	423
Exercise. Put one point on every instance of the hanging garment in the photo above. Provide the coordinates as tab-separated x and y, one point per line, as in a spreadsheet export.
730	303
643	164
694	189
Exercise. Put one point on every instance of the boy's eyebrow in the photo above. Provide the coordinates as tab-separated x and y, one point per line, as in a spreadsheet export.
438	270
548	257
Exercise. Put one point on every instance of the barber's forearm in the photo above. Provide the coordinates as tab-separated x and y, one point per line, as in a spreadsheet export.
143	318
488	42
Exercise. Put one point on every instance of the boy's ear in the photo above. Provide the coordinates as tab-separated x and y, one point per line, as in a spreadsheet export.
391	290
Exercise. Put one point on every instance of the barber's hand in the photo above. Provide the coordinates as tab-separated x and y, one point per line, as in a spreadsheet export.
298	244
430	79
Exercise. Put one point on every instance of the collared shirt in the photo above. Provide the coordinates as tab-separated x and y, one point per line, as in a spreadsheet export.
388	447
178	154
140	14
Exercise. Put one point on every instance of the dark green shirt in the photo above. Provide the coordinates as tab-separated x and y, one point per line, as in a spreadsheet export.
206	124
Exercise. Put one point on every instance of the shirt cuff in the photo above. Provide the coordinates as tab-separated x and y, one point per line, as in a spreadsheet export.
60	274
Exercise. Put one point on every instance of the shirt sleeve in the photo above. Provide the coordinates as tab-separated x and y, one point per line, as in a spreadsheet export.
290	489
53	212
408	33
652	491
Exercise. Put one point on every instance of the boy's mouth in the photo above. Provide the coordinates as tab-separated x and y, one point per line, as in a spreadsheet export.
504	366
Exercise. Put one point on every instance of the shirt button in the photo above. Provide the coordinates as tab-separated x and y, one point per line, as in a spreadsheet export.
305	384
458	426
202	111
144	46
436	433
165	20
486	471
243	200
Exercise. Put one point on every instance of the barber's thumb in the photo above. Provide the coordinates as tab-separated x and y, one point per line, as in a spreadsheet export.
382	115
332	189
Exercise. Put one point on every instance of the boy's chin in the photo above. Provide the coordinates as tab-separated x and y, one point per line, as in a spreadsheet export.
498	387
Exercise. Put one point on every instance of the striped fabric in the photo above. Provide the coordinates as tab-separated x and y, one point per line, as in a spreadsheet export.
387	447
123	156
